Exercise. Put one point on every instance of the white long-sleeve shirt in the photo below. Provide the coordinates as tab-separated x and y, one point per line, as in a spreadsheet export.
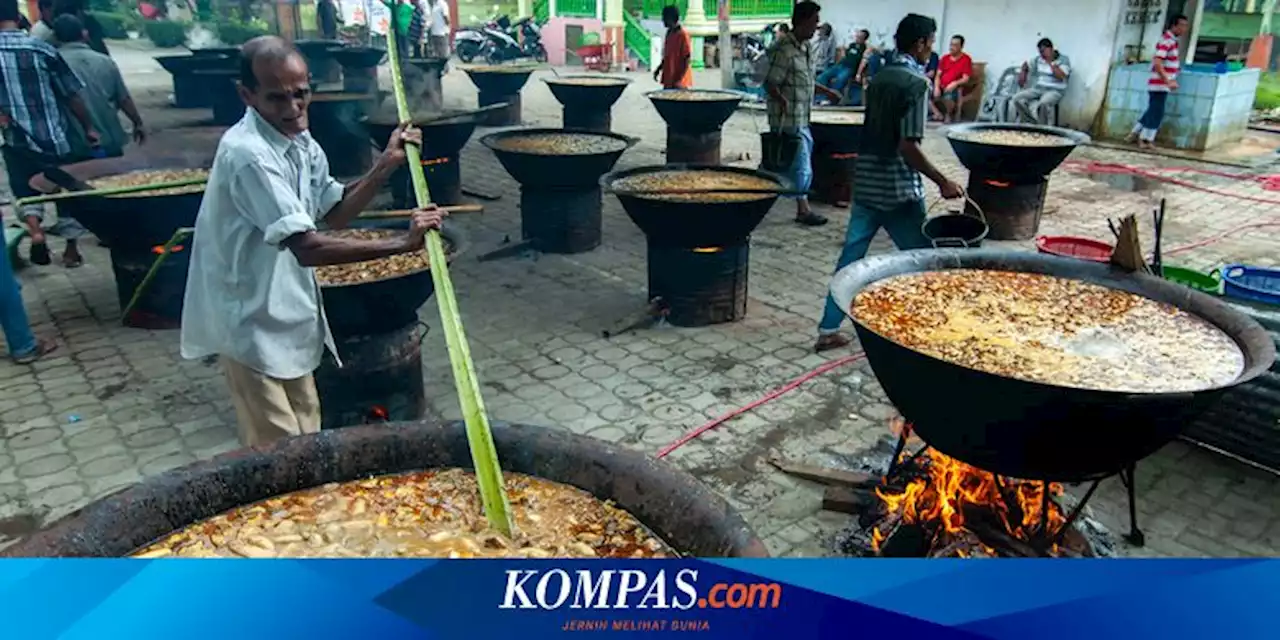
247	297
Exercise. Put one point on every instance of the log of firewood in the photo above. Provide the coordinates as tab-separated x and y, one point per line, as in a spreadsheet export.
826	475
906	541
851	501
986	525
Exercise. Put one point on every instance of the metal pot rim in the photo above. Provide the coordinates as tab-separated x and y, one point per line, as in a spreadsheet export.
1077	138
490	140
607	180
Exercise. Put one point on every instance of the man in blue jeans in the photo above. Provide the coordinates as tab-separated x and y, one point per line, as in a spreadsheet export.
887	189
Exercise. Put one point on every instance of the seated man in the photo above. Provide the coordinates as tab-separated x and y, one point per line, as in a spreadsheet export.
1044	80
954	72
838	77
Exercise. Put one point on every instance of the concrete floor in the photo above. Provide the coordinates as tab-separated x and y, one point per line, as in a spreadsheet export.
115	405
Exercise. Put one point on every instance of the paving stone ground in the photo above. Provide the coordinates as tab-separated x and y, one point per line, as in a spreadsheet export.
117	405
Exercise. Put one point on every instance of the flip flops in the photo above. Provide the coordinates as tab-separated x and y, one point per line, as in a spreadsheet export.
43	348
811	219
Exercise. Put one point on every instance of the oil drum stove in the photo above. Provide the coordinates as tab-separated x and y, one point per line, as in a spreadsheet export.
1009	182
500	84
378	334
136	228
337	123
836	134
694	122
442	142
588	99
560	198
697	251
225	100
426	89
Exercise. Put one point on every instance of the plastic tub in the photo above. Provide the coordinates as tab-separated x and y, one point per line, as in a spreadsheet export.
1251	283
1073	247
1210	283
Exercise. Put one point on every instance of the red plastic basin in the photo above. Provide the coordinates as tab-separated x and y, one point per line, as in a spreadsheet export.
1073	247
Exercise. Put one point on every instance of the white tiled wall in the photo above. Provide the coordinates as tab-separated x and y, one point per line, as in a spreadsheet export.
1207	110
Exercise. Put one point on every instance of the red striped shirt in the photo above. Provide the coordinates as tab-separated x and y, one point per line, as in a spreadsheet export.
1166	57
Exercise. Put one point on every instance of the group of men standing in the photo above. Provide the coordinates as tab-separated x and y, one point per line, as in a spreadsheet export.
59	103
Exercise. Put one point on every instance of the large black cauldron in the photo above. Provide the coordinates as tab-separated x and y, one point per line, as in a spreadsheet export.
587	106
555	171
1028	429
695	116
379	306
694	224
1002	161
442	142
190	91
141	221
671	503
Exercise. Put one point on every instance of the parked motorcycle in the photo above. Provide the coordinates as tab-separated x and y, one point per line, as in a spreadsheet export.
471	42
504	45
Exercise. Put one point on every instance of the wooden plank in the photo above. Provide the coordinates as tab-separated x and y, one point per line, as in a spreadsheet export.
846	500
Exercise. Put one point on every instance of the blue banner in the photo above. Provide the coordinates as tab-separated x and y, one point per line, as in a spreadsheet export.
790	599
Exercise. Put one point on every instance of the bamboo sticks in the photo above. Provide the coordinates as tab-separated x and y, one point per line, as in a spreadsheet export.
110	191
484	455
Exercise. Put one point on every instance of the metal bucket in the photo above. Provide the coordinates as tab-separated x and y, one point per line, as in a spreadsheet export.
778	151
957	229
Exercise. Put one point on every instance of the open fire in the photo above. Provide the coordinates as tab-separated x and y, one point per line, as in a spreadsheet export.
932	505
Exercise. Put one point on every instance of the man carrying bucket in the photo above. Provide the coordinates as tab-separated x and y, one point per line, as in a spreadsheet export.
252	298
887	189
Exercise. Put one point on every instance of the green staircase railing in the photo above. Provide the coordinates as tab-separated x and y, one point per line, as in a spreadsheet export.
576	8
541	10
637	38
751	8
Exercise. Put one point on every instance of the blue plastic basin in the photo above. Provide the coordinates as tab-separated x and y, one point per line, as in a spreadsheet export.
1251	283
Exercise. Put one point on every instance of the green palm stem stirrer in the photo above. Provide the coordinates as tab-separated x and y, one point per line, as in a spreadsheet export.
483	453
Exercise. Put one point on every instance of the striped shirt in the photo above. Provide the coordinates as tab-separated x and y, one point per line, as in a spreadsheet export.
1167	57
791	72
36	81
897	106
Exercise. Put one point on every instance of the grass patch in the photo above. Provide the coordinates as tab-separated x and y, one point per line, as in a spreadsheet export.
1268	96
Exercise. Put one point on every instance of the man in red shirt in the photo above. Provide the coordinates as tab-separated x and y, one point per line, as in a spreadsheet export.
1164	80
954	71
675	69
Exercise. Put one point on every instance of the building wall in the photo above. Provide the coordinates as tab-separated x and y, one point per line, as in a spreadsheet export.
1003	33
554	37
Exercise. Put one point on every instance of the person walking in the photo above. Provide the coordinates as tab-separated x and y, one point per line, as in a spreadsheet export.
438	27
1048	74
790	83
105	94
38	86
887	188
675	70
1165	65
252	298
327	19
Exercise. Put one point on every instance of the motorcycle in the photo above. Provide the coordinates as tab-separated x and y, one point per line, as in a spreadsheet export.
504	45
471	42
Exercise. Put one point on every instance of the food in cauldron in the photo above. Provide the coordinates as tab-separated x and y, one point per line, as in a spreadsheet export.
560	144
422	514
1013	138
693	95
589	81
837	117
370	270
500	69
152	176
1050	330
678	179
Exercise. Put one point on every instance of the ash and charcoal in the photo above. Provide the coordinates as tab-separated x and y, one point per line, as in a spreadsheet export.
898	527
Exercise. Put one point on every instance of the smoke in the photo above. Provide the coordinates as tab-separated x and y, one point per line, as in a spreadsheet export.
201	37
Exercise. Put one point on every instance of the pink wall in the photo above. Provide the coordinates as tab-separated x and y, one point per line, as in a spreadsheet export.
553	36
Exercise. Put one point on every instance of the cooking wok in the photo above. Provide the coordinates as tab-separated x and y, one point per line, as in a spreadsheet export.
1033	430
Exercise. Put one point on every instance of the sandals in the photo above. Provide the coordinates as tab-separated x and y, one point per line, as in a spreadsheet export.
43	348
830	341
40	254
72	262
810	219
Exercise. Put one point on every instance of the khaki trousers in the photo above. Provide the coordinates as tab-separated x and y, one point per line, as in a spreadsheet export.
268	409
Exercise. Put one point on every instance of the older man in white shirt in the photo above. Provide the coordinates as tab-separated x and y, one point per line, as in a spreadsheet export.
438	29
252	297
